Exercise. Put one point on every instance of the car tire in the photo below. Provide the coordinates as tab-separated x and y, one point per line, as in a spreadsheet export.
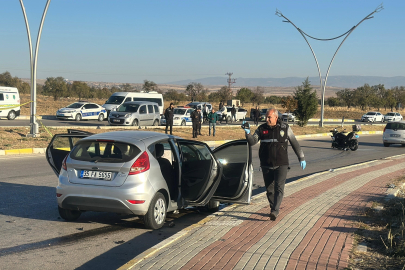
213	206
69	215
101	117
11	115
78	117
156	215
386	144
135	122
228	119
183	123
156	123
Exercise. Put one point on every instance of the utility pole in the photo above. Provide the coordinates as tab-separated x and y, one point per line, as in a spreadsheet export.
230	82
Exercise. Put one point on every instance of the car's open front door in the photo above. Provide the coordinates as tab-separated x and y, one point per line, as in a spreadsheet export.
199	172
60	146
237	172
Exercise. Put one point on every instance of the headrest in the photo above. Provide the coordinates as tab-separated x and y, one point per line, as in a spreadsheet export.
160	150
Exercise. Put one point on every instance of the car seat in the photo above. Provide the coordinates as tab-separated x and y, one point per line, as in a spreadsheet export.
165	166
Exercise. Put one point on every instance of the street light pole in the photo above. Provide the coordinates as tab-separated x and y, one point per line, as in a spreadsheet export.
323	84
33	68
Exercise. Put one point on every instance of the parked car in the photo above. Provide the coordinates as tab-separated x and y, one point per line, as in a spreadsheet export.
225	114
197	104
146	173
286	117
394	133
135	113
372	117
392	116
263	113
181	117
82	110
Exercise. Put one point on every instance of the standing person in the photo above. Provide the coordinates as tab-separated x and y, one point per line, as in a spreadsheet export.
233	113
205	112
196	119
169	118
220	106
212	120
274	136
257	116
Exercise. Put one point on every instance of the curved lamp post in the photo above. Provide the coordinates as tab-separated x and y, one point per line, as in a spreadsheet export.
304	35
33	68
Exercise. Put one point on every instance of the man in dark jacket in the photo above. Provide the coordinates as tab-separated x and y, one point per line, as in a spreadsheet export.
256	116
212	120
169	118
196	119
274	136
233	113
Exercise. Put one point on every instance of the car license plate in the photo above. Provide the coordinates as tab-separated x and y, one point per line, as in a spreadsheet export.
116	120
395	135
96	175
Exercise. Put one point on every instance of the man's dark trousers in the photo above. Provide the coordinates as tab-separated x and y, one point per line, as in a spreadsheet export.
195	129
274	179
169	122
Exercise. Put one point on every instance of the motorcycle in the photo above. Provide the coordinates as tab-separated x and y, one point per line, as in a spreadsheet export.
344	142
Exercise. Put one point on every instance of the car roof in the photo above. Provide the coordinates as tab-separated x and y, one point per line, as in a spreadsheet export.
142	102
130	136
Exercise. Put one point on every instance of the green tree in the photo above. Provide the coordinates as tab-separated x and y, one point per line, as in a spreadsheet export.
7	80
273	100
81	89
289	103
245	95
390	100
149	86
126	87
333	101
203	95
307	102
258	95
193	89
224	94
55	87
346	96
214	97
363	96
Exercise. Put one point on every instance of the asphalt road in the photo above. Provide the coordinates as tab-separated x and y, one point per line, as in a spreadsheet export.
34	236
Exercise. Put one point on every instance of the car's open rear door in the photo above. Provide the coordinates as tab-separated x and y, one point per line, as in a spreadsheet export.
60	146
237	172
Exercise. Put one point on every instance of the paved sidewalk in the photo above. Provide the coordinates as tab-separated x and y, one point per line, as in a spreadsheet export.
313	231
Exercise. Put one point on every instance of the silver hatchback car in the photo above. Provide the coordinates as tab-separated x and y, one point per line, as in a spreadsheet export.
394	133
146	173
135	113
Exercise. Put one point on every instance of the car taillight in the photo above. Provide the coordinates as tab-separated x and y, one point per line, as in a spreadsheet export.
385	128
136	201
140	165
64	163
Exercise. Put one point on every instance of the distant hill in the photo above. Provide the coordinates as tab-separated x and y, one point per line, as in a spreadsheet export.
334	81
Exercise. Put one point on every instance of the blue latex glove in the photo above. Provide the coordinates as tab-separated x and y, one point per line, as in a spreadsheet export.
246	129
303	164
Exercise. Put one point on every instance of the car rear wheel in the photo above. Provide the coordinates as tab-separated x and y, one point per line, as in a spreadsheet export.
156	123
156	215
11	115
386	144
228	119
213	206
78	117
69	215
101	117
135	122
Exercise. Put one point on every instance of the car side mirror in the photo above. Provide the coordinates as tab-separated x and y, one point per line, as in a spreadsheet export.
114	109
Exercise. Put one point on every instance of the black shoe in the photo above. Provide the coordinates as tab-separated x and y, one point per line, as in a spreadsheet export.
273	216
200	134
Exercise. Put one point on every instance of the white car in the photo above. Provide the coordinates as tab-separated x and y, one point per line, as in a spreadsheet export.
372	117
392	116
288	117
82	111
394	133
225	114
181	117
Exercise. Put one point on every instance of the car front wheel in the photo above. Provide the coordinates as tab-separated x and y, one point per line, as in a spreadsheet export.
156	123
135	123
156	215
11	115
386	144
69	215
101	117
78	117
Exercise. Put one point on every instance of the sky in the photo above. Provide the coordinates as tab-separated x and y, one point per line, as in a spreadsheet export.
130	41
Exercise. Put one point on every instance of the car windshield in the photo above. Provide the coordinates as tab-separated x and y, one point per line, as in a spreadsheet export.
370	113
390	114
75	106
228	109
396	126
115	100
100	151
179	111
126	107
192	106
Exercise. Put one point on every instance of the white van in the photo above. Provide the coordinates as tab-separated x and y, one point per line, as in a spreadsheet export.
119	98
9	102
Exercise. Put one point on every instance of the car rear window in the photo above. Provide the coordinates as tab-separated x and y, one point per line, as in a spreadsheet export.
104	151
397	126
